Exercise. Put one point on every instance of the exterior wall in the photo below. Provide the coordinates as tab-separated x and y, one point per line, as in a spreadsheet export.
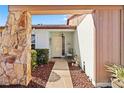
68	39
107	23
86	37
122	36
41	39
76	46
43	36
109	35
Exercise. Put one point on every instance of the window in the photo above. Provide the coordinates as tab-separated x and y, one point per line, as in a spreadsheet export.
32	41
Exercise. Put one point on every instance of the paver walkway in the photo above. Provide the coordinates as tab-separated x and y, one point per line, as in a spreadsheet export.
60	76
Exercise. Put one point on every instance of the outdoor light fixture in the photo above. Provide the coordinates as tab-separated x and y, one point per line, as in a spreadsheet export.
62	35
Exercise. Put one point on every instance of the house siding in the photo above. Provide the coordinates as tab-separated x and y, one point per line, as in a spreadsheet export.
109	35
107	23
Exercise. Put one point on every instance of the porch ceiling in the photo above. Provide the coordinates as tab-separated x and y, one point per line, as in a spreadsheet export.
60	9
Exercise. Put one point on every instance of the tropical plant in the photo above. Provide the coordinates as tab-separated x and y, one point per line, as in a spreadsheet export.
116	71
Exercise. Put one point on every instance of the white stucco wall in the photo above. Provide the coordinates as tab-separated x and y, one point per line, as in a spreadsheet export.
41	39
76	46
86	37
68	41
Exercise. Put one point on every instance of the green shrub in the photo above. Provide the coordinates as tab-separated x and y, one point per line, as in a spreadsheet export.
42	56
34	58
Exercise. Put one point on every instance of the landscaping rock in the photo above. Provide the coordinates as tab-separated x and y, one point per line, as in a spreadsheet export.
40	77
79	78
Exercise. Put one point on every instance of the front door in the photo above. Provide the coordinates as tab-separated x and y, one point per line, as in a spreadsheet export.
56	46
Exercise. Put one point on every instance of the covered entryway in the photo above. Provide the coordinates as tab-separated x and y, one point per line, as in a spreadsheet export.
18	31
61	43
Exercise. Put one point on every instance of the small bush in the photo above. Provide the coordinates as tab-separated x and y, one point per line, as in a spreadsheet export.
34	58
42	56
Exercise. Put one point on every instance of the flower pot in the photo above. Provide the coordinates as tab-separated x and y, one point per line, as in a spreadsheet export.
117	83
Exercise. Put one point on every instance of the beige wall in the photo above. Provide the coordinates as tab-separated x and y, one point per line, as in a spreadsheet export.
107	23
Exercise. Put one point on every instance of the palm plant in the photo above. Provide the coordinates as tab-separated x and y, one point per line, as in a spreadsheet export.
116	71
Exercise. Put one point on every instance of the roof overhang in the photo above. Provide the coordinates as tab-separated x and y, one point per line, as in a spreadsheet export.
47	27
61	9
53	27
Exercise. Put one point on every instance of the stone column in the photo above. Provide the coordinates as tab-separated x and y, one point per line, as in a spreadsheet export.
15	50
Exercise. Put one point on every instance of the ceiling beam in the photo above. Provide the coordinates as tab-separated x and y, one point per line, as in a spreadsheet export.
61	12
61	9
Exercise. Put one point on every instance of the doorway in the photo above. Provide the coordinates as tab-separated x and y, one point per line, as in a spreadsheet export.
57	46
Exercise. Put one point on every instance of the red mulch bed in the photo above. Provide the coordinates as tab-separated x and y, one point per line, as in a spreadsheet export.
79	78
40	77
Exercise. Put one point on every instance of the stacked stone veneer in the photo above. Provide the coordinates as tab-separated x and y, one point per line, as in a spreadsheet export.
15	50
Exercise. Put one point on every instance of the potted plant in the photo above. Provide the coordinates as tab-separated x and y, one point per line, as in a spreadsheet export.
117	74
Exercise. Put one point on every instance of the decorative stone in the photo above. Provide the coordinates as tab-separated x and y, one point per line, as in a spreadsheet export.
4	80
1	71
5	50
3	65
14	81
9	66
11	74
11	59
19	70
17	61
23	81
15	45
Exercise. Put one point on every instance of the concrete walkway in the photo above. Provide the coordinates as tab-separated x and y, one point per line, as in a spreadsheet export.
60	76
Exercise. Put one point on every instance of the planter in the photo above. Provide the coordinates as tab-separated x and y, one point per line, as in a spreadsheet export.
117	83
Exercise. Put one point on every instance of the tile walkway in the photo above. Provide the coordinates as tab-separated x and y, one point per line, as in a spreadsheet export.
60	76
